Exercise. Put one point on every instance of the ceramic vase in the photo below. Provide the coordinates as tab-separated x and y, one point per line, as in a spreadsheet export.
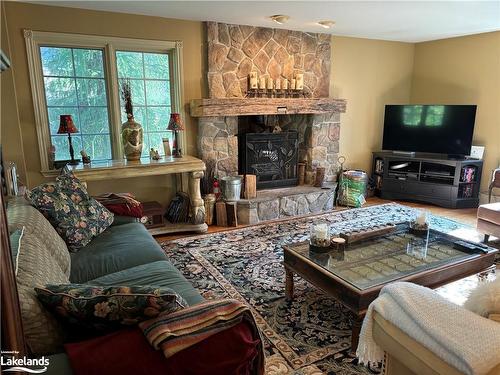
132	139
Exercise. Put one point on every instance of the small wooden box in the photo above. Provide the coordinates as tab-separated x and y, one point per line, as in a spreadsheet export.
153	215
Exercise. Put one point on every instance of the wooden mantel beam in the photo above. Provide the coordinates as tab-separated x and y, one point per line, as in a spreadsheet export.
265	106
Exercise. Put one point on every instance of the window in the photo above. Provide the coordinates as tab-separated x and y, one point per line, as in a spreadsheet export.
148	74
80	75
74	84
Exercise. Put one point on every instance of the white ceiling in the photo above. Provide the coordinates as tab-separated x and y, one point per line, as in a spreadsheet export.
406	21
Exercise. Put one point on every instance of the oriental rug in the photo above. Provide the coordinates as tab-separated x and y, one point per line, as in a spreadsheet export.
312	333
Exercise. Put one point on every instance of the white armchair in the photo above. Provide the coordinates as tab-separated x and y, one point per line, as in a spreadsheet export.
419	332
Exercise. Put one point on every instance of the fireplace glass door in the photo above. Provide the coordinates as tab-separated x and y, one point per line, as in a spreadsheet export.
272	157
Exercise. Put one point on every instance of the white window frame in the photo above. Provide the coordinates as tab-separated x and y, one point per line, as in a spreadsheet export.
35	39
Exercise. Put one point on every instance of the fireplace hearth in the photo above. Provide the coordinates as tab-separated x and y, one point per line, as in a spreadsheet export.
272	157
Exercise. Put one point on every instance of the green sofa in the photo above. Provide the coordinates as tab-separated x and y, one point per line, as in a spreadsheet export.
125	254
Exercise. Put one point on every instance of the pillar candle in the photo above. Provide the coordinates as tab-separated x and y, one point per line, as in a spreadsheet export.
299	84
269	83
262	83
277	84
285	84
253	80
292	86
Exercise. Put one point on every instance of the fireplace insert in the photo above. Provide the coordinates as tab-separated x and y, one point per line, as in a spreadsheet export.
272	157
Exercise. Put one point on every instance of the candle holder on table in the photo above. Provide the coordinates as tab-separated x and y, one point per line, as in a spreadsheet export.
319	239
419	225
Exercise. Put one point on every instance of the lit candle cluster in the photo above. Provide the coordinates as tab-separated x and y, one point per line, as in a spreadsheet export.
282	85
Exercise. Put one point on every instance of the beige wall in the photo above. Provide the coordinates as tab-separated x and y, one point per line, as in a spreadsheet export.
58	19
369	74
10	132
464	70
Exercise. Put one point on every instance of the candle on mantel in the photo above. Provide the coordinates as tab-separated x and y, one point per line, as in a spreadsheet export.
299	83
285	84
277	85
262	83
253	80
292	86
269	83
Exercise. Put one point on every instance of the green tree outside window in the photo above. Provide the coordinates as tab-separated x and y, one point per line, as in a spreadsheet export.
75	84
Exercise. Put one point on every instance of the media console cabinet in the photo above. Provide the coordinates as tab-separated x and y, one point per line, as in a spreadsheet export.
427	178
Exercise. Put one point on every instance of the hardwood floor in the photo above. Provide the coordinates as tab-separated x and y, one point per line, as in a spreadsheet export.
466	216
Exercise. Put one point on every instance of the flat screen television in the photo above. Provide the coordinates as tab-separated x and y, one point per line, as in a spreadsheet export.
440	129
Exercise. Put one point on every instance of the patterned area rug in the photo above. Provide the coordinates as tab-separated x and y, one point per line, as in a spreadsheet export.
311	334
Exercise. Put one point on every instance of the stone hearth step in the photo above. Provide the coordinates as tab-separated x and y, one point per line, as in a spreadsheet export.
273	204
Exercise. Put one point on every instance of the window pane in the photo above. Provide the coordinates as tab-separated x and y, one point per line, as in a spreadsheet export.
97	146
158	118
56	61
158	92
85	99
91	92
60	142
60	92
94	120
56	112
156	65
88	63
130	64
155	140
148	74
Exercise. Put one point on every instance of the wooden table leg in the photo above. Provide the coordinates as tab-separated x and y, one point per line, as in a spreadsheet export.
356	328
288	284
197	204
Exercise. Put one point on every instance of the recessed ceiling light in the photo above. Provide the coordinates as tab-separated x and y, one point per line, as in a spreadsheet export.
326	24
280	18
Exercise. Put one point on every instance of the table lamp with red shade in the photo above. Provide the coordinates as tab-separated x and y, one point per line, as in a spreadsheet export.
175	124
67	126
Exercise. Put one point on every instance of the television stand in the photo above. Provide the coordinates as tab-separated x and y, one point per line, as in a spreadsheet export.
427	178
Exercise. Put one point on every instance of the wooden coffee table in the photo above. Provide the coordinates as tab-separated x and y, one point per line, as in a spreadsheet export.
355	276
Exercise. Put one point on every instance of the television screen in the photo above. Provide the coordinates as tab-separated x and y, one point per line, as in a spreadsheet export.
441	129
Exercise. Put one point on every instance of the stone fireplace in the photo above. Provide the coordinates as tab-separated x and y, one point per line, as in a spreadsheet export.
317	142
268	136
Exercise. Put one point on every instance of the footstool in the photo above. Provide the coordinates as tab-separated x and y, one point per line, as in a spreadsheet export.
488	220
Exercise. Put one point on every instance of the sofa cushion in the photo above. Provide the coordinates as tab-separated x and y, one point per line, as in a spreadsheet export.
127	352
108	308
77	217
489	212
159	274
116	249
43	259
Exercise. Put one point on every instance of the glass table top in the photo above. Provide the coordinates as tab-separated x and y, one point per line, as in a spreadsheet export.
379	260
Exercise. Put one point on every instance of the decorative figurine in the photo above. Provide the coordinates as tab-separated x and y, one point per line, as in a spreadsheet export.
85	157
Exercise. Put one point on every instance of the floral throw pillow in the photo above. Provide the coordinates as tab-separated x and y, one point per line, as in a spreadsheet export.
75	215
107	308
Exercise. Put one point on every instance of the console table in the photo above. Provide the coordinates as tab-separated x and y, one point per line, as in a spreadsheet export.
188	169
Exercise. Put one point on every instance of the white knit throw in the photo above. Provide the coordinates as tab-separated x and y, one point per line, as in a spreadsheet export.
464	340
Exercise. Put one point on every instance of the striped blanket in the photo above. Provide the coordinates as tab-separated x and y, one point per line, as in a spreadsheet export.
179	330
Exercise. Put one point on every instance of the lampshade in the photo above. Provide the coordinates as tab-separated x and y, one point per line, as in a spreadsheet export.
66	125
175	122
